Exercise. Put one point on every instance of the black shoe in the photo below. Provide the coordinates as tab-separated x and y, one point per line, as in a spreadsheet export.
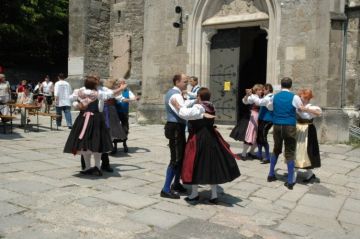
114	151
252	156
178	188
92	171
126	149
195	199
308	180
289	185
85	172
265	161
170	195
242	157
107	169
271	178
214	201
69	127
95	171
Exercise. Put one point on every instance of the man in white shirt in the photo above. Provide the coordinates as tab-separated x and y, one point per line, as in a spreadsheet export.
62	94
47	88
194	82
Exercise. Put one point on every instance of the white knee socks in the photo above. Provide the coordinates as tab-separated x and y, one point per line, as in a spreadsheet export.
194	191
252	149
309	173
295	175
213	191
87	158
97	157
245	148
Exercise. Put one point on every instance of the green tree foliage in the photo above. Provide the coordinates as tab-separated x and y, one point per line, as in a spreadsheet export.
33	29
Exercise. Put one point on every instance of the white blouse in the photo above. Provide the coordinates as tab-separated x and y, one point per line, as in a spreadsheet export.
194	113
306	115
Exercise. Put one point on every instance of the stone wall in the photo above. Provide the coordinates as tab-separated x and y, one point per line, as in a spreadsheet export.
97	40
89	39
352	82
164	54
127	19
303	48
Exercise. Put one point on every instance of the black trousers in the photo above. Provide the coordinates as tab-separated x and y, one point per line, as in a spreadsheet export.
124	119
263	130
175	132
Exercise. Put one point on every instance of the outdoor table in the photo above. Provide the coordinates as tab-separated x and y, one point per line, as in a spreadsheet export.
27	108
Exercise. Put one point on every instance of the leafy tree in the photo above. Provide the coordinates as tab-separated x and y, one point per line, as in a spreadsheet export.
33	30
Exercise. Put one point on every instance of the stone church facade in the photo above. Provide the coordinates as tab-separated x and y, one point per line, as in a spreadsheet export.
230	45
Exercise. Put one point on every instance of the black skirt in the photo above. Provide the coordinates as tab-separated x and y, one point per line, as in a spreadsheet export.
208	158
116	130
96	137
239	131
313	147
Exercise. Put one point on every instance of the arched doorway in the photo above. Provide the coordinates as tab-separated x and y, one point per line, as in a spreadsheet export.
256	21
237	62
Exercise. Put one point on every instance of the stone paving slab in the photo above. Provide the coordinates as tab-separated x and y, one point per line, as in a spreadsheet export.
8	209
128	199
156	218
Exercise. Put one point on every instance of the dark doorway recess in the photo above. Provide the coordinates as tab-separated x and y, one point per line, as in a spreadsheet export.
238	58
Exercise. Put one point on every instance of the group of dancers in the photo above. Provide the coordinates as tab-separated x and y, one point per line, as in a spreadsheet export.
291	116
205	158
98	129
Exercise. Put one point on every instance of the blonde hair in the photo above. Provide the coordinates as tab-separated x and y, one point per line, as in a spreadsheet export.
306	93
110	83
257	87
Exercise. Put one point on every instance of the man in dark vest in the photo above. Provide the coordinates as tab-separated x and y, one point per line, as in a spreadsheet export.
175	132
284	105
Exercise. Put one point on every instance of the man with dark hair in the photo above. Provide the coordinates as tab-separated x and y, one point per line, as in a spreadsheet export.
47	88
264	124
62	92
194	82
175	132
284	106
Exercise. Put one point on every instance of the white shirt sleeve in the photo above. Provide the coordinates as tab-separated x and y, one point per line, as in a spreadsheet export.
179	99
105	93
193	113
191	95
296	102
307	115
74	95
56	90
255	99
131	95
119	98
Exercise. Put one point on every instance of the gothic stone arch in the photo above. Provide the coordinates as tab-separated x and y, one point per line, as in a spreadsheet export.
210	15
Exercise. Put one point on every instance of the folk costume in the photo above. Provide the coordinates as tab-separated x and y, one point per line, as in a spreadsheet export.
175	133
284	106
89	134
208	158
248	134
307	147
122	109
264	125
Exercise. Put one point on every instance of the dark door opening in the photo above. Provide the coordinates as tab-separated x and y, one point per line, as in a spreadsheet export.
237	59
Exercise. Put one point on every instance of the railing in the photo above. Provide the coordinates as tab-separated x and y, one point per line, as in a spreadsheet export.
354	131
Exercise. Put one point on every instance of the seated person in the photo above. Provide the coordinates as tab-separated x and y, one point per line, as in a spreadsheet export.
25	97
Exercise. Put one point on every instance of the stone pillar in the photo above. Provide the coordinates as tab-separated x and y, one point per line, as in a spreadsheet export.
162	56
89	39
77	27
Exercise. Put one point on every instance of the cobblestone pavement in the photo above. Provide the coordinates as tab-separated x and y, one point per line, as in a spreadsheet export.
42	194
